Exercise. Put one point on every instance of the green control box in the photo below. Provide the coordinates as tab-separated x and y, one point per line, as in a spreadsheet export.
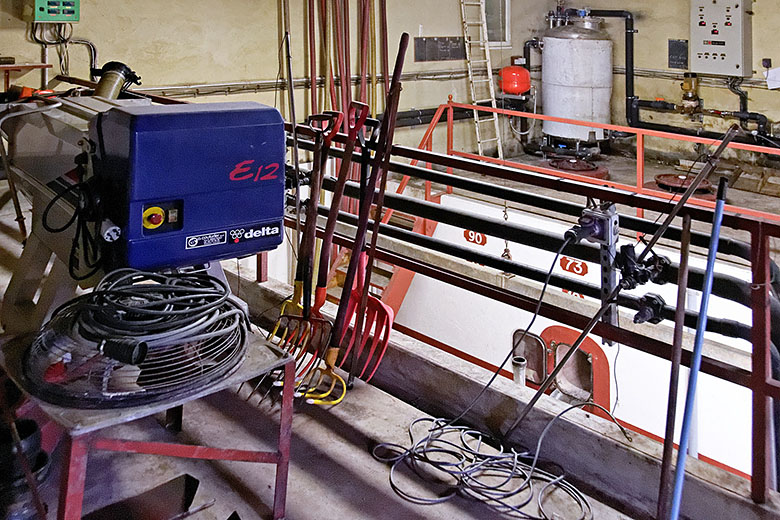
57	11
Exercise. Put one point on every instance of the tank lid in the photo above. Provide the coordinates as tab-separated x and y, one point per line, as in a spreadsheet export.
584	28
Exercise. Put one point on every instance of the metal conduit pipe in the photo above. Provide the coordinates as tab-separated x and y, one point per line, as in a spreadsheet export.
727	287
724	327
726	246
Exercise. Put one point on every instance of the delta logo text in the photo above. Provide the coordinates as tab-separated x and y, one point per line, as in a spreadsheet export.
243	235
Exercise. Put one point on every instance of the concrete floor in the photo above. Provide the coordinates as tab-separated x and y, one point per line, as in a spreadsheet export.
332	473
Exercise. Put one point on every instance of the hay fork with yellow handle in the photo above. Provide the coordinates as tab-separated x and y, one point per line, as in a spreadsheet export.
293	328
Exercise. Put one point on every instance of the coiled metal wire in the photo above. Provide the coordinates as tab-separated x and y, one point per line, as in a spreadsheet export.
193	335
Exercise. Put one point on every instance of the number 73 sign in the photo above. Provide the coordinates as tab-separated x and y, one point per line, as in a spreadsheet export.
572	265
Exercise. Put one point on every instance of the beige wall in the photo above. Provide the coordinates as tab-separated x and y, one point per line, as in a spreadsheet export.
182	42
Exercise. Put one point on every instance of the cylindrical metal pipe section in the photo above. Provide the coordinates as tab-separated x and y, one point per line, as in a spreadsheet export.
519	364
113	77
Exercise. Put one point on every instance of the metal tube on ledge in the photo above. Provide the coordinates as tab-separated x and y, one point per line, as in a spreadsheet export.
519	365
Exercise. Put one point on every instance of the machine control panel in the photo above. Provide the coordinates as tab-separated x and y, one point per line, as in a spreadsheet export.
56	11
721	37
162	216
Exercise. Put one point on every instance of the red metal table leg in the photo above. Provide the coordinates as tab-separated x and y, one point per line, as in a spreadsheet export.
74	474
285	432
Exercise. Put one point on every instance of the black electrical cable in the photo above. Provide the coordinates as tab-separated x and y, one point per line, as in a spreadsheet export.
522	337
503	479
139	337
85	245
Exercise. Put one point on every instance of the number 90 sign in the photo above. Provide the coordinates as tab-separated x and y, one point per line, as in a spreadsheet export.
475	238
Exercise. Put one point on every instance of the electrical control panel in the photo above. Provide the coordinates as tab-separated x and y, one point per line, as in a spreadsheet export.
721	37
56	11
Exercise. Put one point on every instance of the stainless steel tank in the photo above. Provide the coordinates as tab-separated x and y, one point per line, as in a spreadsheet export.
577	78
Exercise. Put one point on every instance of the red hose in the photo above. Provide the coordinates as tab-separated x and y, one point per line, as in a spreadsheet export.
312	59
385	58
365	14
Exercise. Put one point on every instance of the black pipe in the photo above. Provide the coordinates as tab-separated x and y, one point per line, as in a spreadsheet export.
424	116
636	121
762	123
533	42
731	287
727	287
724	327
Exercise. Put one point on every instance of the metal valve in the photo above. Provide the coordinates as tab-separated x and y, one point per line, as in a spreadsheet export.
650	307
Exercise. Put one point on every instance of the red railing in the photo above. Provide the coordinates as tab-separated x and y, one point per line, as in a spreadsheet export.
761	225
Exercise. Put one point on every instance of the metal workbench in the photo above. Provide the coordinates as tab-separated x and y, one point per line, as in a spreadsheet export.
81	426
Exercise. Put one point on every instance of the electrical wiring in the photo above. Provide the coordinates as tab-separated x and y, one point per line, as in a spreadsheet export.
61	36
522	337
138	337
85	245
479	467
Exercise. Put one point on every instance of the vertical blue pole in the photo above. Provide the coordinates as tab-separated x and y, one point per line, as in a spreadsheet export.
679	475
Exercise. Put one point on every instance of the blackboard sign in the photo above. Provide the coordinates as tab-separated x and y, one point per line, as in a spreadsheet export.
678	54
439	48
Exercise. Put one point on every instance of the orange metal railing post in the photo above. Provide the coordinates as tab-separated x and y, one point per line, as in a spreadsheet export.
640	167
450	136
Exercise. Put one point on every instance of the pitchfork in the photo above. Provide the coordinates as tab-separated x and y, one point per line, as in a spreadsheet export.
297	328
381	320
318	334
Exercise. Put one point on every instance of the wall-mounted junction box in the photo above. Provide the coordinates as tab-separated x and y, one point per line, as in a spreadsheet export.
56	11
721	37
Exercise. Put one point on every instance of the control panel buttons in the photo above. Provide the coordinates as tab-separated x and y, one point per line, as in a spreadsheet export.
153	217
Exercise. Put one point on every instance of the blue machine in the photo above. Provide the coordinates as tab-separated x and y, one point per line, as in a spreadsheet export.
190	183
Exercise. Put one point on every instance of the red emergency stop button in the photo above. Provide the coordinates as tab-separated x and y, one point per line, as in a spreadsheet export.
153	217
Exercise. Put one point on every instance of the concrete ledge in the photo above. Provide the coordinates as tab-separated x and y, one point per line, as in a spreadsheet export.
592	451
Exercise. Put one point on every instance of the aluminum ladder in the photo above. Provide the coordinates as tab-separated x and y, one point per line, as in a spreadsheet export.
482	89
